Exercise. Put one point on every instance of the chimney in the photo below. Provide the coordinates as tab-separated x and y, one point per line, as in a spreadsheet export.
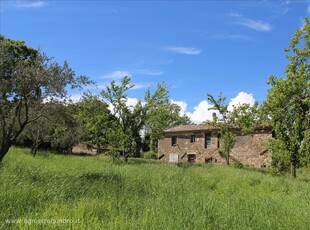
214	117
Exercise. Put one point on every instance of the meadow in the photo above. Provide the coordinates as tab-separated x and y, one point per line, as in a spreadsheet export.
52	191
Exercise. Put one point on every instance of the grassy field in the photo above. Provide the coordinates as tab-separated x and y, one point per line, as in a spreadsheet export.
70	192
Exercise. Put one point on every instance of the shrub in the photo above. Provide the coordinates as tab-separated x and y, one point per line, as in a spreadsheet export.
150	155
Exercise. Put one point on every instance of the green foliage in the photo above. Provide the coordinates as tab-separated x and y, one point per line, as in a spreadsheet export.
57	129
246	117
97	120
225	125
154	115
94	193
304	150
130	120
184	164
150	155
288	103
66	131
161	114
243	117
27	78
280	156
37	133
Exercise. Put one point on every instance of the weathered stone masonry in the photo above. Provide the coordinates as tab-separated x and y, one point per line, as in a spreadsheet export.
200	143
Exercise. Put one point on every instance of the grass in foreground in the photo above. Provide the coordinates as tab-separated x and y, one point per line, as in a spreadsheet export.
70	192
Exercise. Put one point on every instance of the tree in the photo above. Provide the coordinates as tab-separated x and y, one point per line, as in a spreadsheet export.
155	114
225	124
65	130
127	128
27	78
288	103
57	129
96	118
37	133
247	117
161	114
243	117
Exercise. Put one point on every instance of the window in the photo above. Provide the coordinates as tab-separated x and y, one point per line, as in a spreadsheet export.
173	140
208	140
193	139
218	140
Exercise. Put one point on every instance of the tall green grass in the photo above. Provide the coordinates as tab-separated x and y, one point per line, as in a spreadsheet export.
94	193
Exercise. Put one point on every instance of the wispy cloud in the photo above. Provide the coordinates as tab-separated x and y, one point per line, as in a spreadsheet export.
165	61
183	50
308	9
117	74
250	23
151	72
30	4
140	86
235	37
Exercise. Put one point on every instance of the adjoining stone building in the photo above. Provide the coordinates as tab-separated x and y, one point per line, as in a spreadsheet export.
201	143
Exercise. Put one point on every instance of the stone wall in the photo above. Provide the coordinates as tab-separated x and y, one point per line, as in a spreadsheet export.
248	150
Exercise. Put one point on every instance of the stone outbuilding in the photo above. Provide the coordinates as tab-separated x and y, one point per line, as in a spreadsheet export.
201	144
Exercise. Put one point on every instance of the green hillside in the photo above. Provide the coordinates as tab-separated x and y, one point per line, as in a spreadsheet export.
71	192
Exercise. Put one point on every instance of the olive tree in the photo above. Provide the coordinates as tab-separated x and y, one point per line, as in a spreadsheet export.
27	79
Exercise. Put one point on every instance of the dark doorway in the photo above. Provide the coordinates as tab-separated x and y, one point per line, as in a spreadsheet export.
191	158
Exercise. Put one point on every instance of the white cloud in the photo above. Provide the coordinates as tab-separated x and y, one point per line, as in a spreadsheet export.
308	9
151	72
235	37
241	98
183	50
252	24
140	86
256	25
182	104
201	112
235	15
117	74
30	4
73	98
130	103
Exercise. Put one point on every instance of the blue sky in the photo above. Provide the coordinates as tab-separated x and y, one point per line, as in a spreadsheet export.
196	47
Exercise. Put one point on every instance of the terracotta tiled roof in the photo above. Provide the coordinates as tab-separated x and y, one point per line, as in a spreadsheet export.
193	128
190	128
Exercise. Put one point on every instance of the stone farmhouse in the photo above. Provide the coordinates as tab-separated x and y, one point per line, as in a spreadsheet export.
201	144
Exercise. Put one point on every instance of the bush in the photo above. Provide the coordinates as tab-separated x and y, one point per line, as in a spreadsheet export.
150	155
184	164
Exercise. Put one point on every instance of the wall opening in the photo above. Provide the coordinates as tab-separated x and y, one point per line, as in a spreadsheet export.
191	158
174	140
193	139
207	140
173	157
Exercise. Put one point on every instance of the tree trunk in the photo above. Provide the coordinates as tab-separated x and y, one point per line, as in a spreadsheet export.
4	150
1	156
293	169
35	144
34	150
227	158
